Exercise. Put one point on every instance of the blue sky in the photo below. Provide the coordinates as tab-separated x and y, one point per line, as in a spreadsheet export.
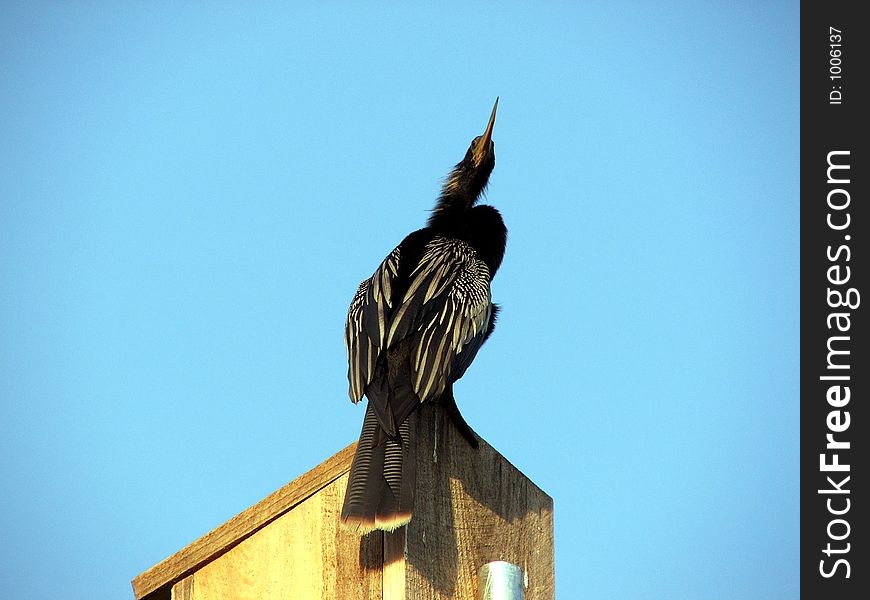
189	196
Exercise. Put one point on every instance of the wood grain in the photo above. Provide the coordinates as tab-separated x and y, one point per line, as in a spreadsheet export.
183	590
222	538
301	554
394	577
472	507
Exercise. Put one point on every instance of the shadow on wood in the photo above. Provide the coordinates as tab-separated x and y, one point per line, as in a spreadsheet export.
472	507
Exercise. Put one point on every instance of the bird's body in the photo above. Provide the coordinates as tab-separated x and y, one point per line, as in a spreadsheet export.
413	329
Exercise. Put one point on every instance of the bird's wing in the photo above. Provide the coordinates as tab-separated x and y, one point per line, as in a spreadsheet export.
367	322
448	304
464	359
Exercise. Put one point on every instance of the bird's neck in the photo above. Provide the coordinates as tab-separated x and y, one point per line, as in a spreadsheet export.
461	190
481	226
449	210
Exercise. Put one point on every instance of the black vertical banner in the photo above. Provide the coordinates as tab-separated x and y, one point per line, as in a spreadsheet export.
835	367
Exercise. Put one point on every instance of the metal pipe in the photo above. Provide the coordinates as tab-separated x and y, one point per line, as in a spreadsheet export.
500	580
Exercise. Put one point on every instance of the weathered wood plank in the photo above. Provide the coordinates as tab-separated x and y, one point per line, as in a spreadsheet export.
242	525
394	564
473	507
301	554
183	590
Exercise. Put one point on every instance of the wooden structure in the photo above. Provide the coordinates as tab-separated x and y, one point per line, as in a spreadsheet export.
472	507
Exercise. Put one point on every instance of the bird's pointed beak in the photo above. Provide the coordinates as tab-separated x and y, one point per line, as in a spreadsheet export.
484	146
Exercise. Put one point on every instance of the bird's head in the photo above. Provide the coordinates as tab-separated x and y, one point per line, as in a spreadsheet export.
481	153
469	177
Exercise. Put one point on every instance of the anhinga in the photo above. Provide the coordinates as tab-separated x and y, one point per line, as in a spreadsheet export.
413	329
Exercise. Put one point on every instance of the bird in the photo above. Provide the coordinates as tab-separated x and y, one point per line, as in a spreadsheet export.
413	328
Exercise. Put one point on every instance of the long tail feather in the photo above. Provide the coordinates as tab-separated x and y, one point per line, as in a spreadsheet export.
380	490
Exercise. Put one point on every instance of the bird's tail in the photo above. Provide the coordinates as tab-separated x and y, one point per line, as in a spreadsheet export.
383	476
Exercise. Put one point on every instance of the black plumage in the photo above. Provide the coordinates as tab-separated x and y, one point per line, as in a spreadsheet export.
412	331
